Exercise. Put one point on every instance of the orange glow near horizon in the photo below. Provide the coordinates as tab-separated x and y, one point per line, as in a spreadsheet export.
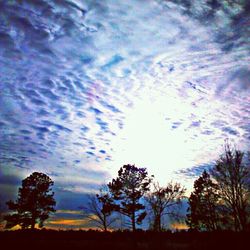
179	226
70	222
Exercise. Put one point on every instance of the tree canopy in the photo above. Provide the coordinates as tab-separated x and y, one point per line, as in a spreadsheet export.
203	204
222	201
34	203
232	176
164	201
127	191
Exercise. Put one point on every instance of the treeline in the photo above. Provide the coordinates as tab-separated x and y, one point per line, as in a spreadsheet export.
134	195
220	199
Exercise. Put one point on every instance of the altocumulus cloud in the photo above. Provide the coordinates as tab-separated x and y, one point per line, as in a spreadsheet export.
86	86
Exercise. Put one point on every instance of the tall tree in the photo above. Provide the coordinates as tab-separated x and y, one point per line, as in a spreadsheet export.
34	203
99	209
203	213
232	177
164	201
127	191
1	215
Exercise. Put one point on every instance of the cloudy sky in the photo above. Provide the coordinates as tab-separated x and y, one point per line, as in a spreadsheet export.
87	86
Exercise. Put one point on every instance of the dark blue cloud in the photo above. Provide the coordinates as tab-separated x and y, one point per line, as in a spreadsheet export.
42	112
84	129
195	171
69	200
38	102
110	107
207	132
48	93
95	110
230	131
243	77
41	129
218	123
176	125
113	61
90	153
208	14
103	125
62	128
2	124
24	131
195	124
9	179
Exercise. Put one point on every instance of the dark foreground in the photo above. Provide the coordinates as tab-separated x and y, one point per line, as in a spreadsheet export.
47	239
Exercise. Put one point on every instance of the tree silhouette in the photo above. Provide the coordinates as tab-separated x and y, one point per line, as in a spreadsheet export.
232	177
164	201
203	211
99	209
34	204
1	215
128	189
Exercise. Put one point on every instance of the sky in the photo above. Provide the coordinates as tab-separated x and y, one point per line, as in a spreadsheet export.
87	86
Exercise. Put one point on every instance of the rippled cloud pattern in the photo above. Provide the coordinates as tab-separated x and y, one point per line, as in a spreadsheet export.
87	86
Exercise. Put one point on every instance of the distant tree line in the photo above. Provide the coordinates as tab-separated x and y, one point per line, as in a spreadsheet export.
220	199
130	195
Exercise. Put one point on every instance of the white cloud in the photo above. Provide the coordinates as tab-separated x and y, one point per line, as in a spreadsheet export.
130	82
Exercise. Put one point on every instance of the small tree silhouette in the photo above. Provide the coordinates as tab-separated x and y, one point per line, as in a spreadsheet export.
34	204
1	215
203	211
99	209
128	189
164	201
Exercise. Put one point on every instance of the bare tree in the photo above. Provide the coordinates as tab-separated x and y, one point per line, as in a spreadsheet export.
164	201
232	177
1	215
99	209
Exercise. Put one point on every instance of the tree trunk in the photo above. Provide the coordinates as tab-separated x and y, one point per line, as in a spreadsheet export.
157	226
133	221
133	213
33	220
33	223
160	228
105	223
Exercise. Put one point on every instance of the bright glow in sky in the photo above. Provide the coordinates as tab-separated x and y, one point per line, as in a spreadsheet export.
87	86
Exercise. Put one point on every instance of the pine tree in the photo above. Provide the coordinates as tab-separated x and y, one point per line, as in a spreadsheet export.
127	191
203	211
34	203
